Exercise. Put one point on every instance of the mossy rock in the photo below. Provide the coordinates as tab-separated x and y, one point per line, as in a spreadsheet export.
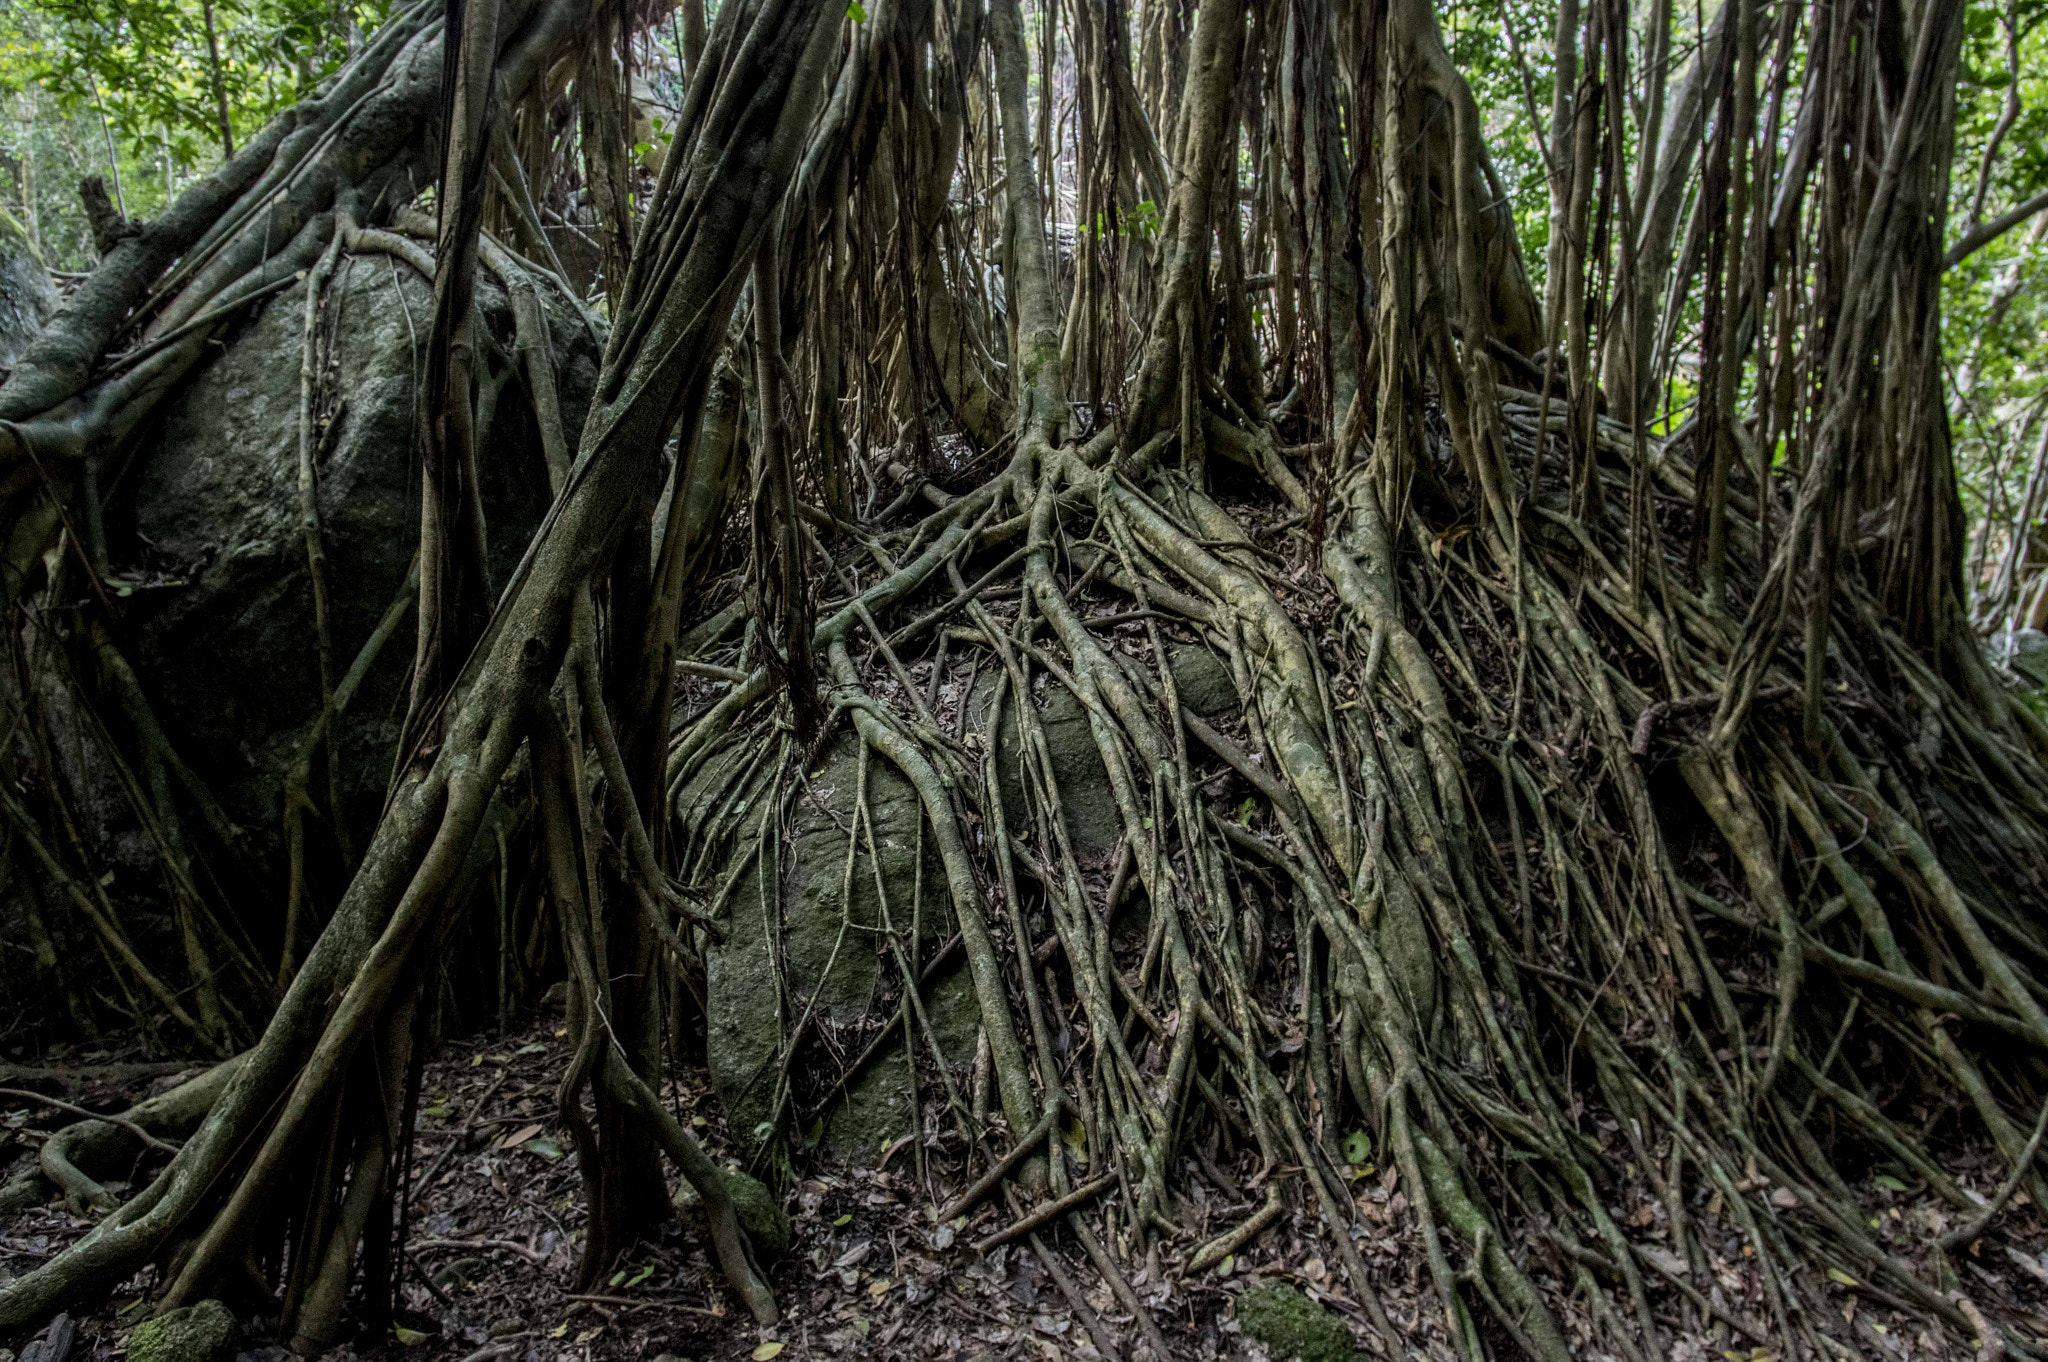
760	1212
230	654
785	932
196	1333
785	952
1292	1325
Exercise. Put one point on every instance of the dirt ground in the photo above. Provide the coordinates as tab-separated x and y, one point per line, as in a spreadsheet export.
498	1213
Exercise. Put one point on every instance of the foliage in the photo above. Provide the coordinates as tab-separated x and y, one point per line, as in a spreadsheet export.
132	90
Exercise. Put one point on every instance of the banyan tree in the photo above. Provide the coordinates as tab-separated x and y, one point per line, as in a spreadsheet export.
1299	667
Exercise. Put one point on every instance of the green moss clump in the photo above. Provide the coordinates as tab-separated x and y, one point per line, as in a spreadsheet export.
1292	1325
197	1333
760	1214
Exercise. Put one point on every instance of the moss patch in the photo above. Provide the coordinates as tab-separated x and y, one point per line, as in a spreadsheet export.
1292	1325
197	1333
760	1213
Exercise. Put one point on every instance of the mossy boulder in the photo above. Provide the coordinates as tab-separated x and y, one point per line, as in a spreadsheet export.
808	937
760	1212
787	948
209	553
1294	1326
196	1333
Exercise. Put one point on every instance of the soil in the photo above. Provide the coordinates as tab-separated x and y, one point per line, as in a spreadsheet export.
498	1213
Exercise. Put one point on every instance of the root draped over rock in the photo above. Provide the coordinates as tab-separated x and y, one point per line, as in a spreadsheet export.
1508	861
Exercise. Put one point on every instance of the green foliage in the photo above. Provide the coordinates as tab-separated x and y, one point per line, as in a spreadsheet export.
1993	308
1140	220
131	90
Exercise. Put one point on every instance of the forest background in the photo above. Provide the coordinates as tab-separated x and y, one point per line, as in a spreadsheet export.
152	93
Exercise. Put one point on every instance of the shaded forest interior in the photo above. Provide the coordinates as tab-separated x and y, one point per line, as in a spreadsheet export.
1335	677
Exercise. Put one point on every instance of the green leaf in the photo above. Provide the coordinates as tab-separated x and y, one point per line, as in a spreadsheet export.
409	1337
547	1149
642	1275
1890	1183
1357	1147
856	11
1246	810
842	1222
618	1277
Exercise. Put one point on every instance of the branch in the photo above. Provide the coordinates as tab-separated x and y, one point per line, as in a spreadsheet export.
1984	233
123	1122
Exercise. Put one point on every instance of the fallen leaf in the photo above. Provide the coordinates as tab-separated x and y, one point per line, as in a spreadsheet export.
1666	1261
520	1136
877	1286
1840	1277
408	1337
1890	1183
547	1149
766	1351
1784	1198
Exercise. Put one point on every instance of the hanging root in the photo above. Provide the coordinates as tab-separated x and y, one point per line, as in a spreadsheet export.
1471	903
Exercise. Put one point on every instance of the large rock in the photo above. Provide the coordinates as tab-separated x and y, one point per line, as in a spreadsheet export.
228	650
26	296
197	1333
830	952
825	937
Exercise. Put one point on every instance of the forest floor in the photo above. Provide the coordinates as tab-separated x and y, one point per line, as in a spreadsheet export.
495	1229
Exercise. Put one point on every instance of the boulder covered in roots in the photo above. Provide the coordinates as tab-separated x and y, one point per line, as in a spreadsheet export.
804	999
209	556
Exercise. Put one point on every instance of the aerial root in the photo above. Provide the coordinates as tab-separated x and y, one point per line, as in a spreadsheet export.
1444	983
